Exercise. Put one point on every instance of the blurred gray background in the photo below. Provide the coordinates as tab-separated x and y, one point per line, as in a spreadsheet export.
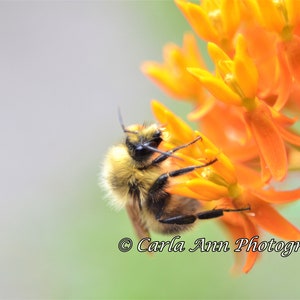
65	68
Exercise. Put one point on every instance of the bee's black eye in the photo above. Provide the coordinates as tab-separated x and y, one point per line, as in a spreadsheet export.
138	151
142	148
141	153
155	142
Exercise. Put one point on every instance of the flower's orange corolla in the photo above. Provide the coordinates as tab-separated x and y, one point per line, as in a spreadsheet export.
212	184
217	87
215	20
269	141
280	16
244	69
172	75
268	218
245	108
177	132
200	189
237	79
237	85
291	51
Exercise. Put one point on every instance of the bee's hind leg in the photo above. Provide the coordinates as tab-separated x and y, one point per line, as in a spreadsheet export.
208	214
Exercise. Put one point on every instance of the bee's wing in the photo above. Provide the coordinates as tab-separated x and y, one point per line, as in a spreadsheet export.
134	214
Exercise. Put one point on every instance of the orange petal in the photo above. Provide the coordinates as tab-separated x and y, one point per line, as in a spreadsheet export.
225	168
204	107
284	82
244	69
266	175
250	231
293	8
160	76
216	53
268	139
216	86
198	19
272	15
270	220
206	190
290	137
248	176
246	79
292	48
175	125
191	51
182	190
238	153
241	227
236	232
273	196
282	120
171	75
231	16
231	134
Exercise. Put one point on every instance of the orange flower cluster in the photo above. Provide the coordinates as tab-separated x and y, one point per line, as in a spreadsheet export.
247	107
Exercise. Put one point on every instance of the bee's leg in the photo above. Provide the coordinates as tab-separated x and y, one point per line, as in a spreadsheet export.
169	153
157	195
162	180
208	214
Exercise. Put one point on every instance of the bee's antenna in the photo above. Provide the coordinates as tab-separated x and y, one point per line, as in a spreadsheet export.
122	123
121	119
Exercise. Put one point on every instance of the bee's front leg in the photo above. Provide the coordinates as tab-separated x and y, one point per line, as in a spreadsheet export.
169	153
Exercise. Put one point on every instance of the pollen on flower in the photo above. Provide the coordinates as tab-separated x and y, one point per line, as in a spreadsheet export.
279	4
251	214
231	81
206	173
215	18
228	78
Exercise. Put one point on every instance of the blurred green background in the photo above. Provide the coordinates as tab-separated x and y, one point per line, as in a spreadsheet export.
65	67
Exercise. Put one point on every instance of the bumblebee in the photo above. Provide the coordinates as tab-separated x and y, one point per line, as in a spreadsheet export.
136	174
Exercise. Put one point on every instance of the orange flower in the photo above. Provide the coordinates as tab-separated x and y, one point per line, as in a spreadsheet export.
280	21
179	133
172	75
215	21
280	16
248	109
236	84
236	80
218	186
231	133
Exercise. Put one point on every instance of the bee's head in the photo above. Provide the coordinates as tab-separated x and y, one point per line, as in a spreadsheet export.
142	141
